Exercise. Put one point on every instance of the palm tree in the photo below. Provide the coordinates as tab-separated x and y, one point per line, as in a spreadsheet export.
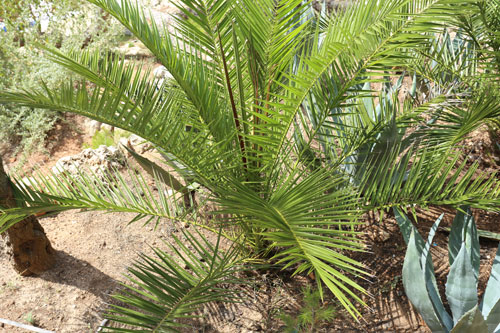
26	242
258	86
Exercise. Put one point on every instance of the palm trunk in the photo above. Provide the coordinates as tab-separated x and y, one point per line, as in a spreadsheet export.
25	242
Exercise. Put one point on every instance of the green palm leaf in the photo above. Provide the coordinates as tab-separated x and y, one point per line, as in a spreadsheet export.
310	224
429	177
171	287
63	191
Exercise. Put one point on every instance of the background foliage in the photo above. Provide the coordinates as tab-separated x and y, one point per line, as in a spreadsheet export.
22	65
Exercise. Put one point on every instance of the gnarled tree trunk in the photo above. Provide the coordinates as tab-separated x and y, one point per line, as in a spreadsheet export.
25	242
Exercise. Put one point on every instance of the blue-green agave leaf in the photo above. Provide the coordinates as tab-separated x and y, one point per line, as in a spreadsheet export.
461	285
368	102
471	322
413	88
415	285
493	318
492	292
405	225
430	237
430	278
464	229
406	228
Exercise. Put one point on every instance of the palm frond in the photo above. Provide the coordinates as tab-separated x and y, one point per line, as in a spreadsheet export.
379	36
111	192
168	289
194	75
158	116
447	65
309	224
451	124
429	178
481	27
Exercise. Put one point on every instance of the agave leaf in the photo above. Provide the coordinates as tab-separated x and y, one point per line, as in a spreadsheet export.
430	278
471	322
413	88
415	285
463	229
405	225
407	228
430	237
368	102
492	292
493	318
461	285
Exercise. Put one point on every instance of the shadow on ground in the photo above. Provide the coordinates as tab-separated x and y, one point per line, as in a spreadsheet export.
78	273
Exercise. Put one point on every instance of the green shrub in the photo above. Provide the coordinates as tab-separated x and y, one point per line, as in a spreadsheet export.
107	138
102	137
311	315
24	66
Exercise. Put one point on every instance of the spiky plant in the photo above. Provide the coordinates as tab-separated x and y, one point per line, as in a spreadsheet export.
242	73
461	286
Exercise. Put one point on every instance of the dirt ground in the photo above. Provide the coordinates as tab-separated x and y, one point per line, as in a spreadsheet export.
94	250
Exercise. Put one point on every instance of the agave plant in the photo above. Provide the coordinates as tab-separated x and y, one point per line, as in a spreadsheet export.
242	73
461	287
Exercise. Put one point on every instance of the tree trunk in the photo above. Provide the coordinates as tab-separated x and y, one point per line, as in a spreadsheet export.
25	242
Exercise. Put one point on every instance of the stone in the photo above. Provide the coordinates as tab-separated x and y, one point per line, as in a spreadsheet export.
134	49
107	127
100	161
92	126
139	144
161	72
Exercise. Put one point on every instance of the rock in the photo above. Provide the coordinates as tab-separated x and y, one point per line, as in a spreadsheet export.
134	49
100	161
161	72
107	127
256	327
124	142
92	126
139	145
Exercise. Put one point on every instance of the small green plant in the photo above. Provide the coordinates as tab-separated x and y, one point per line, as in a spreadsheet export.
311	315
390	285
24	129
30	319
101	137
461	287
106	137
